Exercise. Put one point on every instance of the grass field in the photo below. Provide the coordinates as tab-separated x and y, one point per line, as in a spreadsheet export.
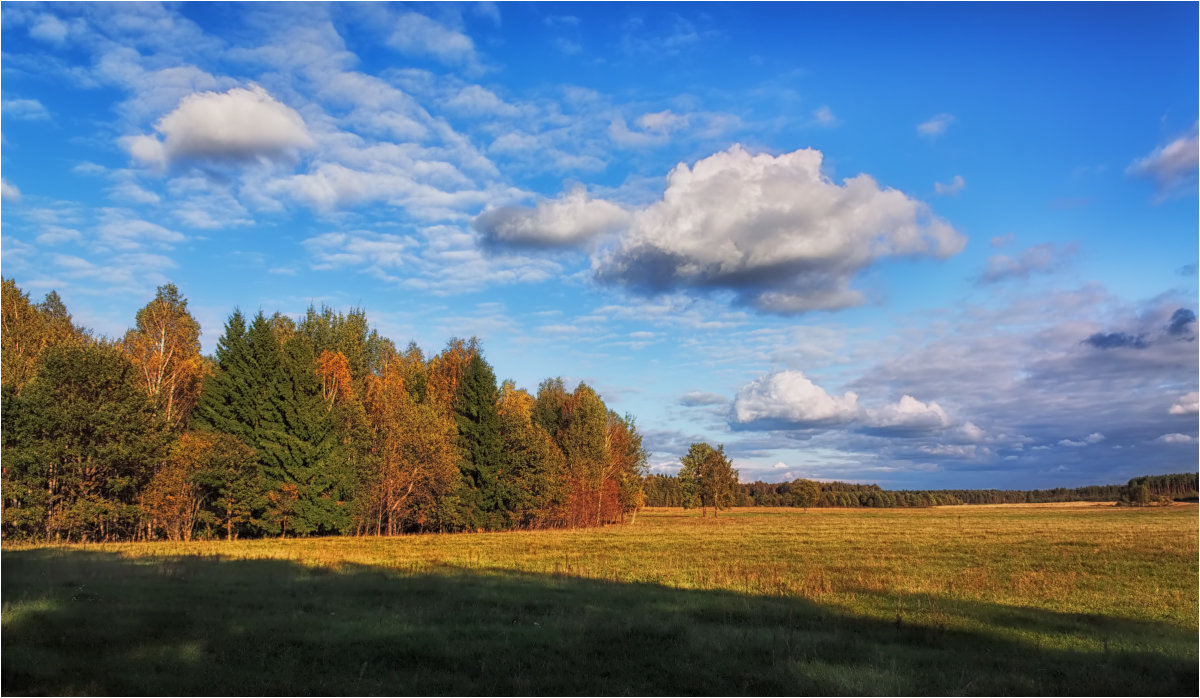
1082	600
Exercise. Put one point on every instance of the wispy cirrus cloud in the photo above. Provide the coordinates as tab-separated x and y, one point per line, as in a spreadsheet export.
1172	166
1038	259
935	126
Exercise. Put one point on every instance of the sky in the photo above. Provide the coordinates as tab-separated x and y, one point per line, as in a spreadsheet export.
924	246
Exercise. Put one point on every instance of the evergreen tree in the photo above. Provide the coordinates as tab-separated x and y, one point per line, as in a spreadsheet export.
476	414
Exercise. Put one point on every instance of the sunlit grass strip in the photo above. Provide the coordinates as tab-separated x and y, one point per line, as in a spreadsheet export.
1087	581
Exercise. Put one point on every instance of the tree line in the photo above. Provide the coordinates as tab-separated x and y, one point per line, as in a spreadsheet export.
677	491
315	427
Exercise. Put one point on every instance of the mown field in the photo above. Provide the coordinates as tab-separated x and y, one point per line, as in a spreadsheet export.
1030	600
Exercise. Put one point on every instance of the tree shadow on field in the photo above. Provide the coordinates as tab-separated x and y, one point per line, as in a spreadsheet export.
82	622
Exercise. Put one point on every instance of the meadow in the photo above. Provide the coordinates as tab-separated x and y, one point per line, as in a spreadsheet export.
1080	599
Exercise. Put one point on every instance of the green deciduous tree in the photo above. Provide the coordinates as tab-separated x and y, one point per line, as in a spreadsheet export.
708	478
80	445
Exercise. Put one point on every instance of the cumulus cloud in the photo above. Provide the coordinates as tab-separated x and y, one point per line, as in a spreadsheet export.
790	398
9	192
1172	166
1187	404
1044	258
908	415
48	28
570	219
419	35
1175	439
956	184
935	126
240	125
773	229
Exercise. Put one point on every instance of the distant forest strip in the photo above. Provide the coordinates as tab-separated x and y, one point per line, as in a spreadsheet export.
670	491
316	427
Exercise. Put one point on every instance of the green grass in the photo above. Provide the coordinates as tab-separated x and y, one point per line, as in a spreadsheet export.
1081	600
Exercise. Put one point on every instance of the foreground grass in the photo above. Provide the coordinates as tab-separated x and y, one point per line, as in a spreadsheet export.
957	600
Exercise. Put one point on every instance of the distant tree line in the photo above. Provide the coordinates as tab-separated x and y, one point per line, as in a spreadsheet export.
316	427
1153	490
673	491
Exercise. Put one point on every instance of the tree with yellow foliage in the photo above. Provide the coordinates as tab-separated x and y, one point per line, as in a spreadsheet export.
165	349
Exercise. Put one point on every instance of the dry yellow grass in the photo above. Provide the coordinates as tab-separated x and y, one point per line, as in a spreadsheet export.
1057	598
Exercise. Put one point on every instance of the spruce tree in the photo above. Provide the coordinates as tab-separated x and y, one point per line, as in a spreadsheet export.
479	446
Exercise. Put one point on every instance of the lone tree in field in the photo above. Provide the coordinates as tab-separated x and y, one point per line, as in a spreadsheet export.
708	478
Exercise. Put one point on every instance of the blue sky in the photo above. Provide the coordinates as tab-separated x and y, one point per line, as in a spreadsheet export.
943	245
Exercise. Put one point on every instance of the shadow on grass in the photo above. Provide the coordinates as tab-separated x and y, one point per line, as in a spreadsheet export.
81	622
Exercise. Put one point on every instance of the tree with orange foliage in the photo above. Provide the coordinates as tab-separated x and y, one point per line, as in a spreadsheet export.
165	349
206	478
446	370
334	371
28	329
412	454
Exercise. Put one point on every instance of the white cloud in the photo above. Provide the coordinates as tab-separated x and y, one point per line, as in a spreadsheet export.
240	125
956	185
699	398
1043	258
1175	439
1089	440
972	433
788	397
54	234
121	229
419	35
570	219
1187	404
474	99
361	248
1172	166
9	192
48	28
662	121
935	126
626	137
27	109
333	186
824	116
772	228
132	192
909	414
